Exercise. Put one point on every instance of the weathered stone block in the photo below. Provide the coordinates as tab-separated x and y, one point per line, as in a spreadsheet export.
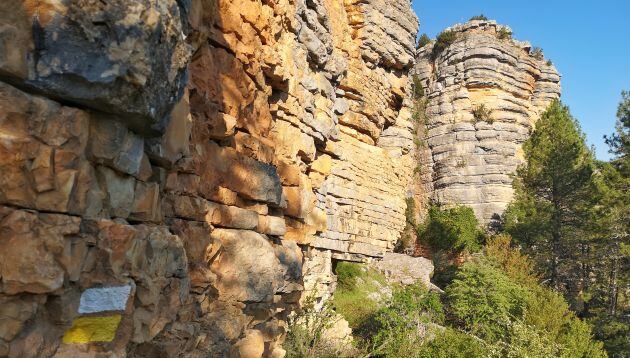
117	57
247	268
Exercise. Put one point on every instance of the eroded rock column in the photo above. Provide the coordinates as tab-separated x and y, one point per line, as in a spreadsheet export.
485	92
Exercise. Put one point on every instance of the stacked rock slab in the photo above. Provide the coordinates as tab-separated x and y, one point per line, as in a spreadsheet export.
174	173
474	155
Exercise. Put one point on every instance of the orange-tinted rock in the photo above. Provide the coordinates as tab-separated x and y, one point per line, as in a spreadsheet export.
248	177
30	248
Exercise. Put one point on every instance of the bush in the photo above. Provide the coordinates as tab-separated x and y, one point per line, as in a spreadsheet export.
613	331
482	114
454	230
499	253
401	326
358	294
423	40
483	300
443	40
306	333
479	17
418	90
537	53
504	34
497	298
347	274
408	238
450	343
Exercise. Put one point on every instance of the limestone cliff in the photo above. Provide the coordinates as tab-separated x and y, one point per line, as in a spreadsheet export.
174	173
485	92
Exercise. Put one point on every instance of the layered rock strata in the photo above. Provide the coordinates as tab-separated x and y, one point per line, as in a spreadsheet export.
174	173
485	92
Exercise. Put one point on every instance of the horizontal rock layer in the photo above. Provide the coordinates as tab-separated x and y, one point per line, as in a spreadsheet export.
208	159
474	154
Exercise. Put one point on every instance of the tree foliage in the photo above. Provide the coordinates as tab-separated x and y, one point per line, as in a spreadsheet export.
453	229
423	40
496	298
555	191
570	213
479	17
443	40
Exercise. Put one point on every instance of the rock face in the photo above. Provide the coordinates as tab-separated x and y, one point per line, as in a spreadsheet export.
174	174
405	270
485	92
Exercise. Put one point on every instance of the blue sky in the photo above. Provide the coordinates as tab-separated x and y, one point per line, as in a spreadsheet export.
588	41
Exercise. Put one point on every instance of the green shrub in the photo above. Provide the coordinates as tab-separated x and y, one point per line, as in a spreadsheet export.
614	332
347	274
358	293
497	298
418	90
423	40
482	114
549	63
306	329
498	251
526	341
483	300
504	34
479	17
418	169
450	343
400	326
537	53
408	238
454	229
443	40
548	312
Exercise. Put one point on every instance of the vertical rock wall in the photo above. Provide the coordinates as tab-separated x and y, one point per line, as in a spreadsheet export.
173	173
472	159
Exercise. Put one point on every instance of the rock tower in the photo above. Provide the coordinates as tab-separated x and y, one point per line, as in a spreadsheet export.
485	92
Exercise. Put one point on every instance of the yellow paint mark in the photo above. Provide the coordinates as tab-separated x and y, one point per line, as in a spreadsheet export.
92	329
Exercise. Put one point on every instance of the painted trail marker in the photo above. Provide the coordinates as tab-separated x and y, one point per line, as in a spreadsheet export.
103	299
92	329
95	328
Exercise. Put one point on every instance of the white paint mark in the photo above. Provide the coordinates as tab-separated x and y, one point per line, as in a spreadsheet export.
104	299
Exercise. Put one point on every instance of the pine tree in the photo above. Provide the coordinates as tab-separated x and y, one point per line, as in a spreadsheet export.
555	192
619	142
610	306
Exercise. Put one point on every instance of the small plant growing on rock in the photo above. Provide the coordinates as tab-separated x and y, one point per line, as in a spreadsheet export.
408	239
481	17
443	40
418	90
418	169
306	335
482	114
504	34
423	41
537	53
549	63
